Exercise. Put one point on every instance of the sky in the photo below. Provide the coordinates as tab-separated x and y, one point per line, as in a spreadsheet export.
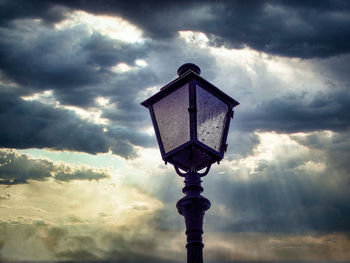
81	176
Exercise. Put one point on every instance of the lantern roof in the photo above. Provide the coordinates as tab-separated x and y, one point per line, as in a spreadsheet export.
188	74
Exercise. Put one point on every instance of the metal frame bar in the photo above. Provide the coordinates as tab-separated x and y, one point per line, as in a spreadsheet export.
176	150
229	115
156	130
208	149
192	110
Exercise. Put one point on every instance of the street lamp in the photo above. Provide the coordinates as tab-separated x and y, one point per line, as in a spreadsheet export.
191	118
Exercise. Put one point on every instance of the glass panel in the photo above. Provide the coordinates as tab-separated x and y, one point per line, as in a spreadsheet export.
211	118
173	118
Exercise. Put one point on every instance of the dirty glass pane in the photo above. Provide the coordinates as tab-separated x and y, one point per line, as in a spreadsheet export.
173	118
211	118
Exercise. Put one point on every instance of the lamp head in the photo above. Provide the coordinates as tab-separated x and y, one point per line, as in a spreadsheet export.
191	118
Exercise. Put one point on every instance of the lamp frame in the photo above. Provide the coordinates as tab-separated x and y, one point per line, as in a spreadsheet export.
192	79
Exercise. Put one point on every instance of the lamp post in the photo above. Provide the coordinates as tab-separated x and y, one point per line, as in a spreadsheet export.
191	118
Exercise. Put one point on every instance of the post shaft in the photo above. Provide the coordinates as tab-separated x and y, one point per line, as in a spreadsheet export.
193	206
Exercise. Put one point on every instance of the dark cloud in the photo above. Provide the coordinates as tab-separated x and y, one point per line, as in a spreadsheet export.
43	126
83	174
81	248
78	255
294	29
77	69
19	169
287	28
296	113
5	197
54	236
34	9
128	112
72	62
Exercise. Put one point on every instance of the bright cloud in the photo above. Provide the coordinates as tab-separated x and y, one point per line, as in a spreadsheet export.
111	26
92	115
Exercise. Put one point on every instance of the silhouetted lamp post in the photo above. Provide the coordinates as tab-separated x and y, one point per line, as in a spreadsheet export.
191	118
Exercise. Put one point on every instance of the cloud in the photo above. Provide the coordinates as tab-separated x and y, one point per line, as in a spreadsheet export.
333	145
79	69
240	143
70	243
5	196
292	29
86	243
19	169
298	186
64	174
284	28
76	65
44	126
280	206
73	59
46	10
287	29
245	247
297	113
98	222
